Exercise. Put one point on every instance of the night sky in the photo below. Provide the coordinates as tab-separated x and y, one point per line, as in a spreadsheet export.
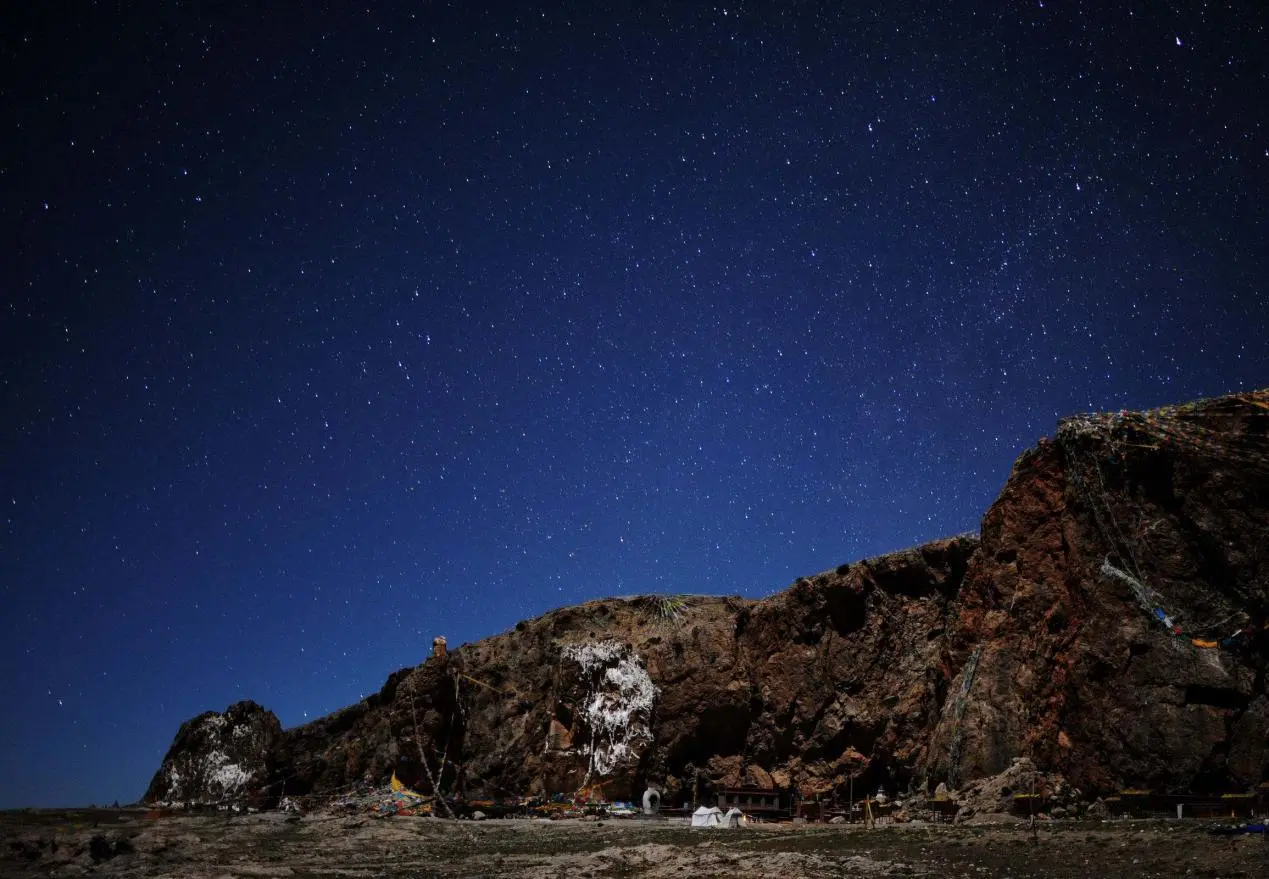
326	330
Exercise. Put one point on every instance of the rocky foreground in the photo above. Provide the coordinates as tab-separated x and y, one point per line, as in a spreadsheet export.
1109	624
324	845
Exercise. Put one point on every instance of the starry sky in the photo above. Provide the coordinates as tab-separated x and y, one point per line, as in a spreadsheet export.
328	329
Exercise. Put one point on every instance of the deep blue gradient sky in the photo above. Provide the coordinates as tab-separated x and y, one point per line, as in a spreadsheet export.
326	331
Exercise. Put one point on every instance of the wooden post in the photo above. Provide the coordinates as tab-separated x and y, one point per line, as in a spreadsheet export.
1031	802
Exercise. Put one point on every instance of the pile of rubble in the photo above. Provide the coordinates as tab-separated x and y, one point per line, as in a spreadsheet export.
1021	790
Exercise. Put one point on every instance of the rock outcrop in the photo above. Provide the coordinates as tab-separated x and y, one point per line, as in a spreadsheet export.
219	758
1112	623
1109	626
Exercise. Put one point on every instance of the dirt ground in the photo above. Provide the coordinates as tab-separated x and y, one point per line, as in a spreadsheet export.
129	844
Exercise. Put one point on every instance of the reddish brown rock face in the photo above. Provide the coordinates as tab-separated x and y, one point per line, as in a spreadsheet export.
1118	604
1055	638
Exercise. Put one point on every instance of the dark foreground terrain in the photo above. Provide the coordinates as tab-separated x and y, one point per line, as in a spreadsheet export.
71	843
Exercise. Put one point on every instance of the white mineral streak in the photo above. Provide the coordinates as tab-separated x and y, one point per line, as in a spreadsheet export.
619	705
229	777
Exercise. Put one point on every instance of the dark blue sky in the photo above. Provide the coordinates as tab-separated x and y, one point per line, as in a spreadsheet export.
325	331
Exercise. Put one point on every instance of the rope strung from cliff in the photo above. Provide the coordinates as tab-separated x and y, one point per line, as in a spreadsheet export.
509	691
1149	600
1097	502
1107	430
1146	597
1185	429
1153	603
1247	450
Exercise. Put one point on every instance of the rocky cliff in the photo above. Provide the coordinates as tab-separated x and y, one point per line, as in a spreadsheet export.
1110	624
1113	622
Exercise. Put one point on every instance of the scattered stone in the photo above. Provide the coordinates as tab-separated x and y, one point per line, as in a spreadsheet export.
255	846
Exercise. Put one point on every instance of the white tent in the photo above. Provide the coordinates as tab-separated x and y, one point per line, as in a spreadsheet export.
733	818
707	816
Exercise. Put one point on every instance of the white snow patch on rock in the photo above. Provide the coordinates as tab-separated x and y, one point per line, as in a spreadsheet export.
619	704
229	777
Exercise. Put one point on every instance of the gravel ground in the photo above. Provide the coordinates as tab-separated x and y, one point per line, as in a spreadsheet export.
132	844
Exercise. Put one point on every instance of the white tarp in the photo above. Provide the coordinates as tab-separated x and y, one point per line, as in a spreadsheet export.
707	816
